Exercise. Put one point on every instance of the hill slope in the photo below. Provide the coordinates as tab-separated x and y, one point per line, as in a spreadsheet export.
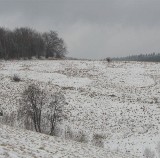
16	143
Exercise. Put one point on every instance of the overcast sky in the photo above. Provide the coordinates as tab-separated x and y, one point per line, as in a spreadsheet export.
91	28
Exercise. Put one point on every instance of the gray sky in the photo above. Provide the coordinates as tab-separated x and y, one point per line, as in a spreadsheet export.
91	28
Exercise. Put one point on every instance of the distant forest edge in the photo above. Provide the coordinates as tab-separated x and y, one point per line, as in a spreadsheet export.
25	43
152	57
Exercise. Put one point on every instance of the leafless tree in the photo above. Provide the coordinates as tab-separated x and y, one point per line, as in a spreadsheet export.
41	109
55	111
54	46
33	99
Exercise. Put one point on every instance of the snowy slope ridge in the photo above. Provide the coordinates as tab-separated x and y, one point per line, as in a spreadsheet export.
16	143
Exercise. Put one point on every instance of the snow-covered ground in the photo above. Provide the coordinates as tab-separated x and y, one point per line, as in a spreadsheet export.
119	100
16	143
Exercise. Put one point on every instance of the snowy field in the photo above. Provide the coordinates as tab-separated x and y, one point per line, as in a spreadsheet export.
119	100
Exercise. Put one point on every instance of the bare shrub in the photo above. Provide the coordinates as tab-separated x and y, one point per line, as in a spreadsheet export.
34	58
16	78
108	59
98	140
9	118
55	111
40	109
148	153
81	137
69	134
42	58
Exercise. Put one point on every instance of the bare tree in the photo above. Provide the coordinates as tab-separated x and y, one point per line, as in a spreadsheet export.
55	111
4	42
41	109
54	46
32	102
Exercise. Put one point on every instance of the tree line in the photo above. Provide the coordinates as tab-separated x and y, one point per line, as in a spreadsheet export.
152	57
24	43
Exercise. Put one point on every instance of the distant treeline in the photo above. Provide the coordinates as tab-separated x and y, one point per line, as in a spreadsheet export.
24	43
153	57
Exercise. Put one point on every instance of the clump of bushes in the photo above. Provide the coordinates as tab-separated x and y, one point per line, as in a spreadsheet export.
16	78
79	136
98	140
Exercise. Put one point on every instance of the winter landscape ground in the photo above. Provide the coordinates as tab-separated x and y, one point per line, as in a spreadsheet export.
119	100
16	143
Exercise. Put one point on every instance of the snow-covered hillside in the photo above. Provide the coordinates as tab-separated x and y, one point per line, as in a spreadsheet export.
119	100
16	143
